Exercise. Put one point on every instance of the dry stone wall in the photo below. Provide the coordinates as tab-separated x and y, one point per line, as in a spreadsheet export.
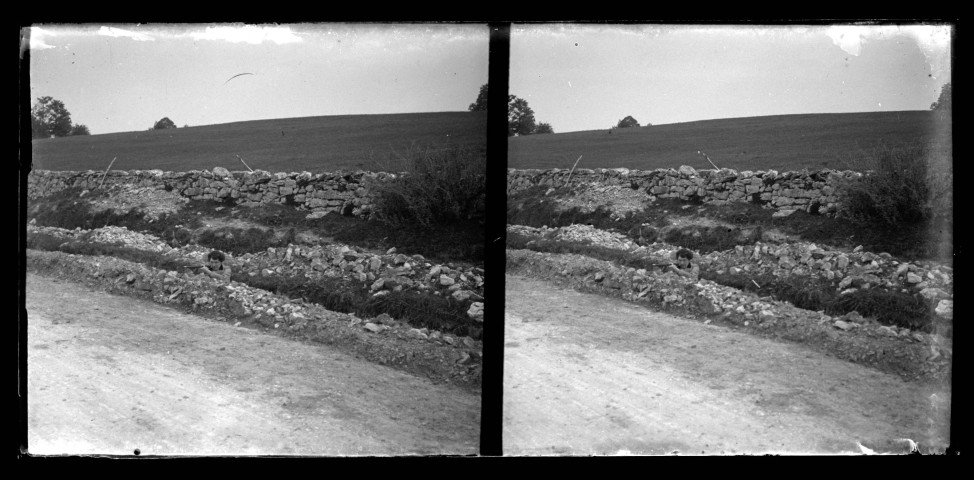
346	193
811	191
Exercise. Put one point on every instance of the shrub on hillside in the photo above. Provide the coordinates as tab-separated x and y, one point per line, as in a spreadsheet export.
908	184
432	186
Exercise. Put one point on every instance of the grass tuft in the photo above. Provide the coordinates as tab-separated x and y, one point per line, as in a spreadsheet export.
43	241
239	241
711	239
889	307
419	310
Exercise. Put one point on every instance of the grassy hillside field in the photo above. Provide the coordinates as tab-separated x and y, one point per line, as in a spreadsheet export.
314	144
784	142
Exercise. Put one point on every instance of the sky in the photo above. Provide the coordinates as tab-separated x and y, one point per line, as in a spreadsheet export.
124	78
588	77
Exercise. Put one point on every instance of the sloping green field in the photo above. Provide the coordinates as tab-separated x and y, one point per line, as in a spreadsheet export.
314	144
784	142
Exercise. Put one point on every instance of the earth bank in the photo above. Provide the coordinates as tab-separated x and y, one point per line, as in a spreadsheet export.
442	358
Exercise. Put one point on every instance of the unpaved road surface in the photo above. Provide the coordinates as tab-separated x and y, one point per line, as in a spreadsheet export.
586	374
111	374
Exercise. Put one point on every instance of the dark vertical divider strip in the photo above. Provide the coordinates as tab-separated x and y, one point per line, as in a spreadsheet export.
491	410
23	167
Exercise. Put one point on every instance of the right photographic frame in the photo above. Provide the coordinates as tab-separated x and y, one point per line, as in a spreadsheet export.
729	240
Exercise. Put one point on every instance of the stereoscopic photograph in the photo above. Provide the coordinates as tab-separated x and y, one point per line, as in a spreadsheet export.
728	240
251	240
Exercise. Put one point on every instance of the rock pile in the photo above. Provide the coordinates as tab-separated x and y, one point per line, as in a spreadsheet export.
578	233
856	269
618	200
383	273
849	270
122	236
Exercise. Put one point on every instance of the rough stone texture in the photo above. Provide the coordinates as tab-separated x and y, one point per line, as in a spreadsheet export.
380	273
347	193
812	191
857	269
946	309
388	343
578	233
476	311
907	353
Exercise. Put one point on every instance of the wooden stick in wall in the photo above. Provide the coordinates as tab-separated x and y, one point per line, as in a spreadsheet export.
708	159
106	173
245	163
572	171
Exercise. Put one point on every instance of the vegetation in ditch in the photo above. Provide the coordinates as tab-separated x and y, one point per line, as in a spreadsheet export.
238	241
889	307
711	239
43	241
445	314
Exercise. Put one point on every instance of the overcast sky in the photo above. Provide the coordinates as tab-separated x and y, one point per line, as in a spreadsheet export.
117	78
587	77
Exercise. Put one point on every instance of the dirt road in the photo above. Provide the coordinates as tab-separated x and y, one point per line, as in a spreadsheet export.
586	374
110	374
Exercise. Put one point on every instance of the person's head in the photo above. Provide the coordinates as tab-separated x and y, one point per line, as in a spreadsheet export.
683	257
216	258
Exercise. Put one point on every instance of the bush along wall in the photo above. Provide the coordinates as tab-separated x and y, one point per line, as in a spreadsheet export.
812	191
345	193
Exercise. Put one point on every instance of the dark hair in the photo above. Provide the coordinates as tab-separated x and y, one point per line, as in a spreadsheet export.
216	255
687	254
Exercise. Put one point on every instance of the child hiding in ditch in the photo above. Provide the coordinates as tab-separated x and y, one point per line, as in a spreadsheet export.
215	267
683	266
